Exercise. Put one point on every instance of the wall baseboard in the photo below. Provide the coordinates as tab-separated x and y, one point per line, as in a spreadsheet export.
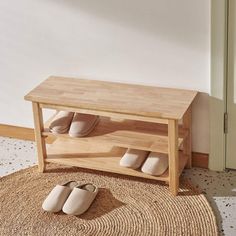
18	132
198	159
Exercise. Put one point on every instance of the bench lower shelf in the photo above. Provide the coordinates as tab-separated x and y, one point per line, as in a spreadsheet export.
105	157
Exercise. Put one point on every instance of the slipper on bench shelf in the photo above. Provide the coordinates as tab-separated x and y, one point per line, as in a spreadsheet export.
82	124
61	122
80	199
57	197
155	164
133	158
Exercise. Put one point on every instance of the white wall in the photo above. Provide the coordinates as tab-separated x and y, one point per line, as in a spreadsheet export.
156	42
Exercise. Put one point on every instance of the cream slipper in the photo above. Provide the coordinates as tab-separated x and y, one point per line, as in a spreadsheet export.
80	199
57	197
61	122
133	158
82	124
155	164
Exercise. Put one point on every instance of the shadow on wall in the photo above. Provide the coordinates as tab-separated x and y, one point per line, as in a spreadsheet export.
153	17
200	123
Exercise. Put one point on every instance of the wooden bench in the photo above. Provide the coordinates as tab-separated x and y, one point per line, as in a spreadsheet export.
132	116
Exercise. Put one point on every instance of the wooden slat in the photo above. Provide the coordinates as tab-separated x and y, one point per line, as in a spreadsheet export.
129	134
173	156
98	157
121	98
113	114
39	126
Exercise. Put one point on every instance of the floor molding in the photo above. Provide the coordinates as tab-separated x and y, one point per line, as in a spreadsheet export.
18	132
198	159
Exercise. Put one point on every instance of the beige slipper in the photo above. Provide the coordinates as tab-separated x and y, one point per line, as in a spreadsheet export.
133	158
61	122
57	197
80	199
82	124
155	164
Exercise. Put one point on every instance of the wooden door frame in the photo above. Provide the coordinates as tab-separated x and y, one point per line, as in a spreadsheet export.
218	99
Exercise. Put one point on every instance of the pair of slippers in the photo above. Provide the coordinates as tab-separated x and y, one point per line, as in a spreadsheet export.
76	124
152	163
71	198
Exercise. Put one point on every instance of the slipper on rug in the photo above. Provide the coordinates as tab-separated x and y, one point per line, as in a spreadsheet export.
57	197
80	199
141	206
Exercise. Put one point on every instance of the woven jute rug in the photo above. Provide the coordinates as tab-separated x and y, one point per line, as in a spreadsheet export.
124	206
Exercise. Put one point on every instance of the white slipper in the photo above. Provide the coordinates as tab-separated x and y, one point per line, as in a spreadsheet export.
57	197
80	199
61	122
82	124
155	164
133	158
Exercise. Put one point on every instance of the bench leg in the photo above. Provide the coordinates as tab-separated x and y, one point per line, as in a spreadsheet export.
40	141
187	144
173	156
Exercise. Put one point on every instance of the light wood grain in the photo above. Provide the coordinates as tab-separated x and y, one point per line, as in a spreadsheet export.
173	156
113	114
39	127
115	97
17	132
99	157
129	134
133	106
187	143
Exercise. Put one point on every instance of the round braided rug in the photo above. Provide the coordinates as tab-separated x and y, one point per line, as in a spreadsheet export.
124	206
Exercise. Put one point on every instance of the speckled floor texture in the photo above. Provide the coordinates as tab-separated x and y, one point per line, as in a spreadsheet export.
219	187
